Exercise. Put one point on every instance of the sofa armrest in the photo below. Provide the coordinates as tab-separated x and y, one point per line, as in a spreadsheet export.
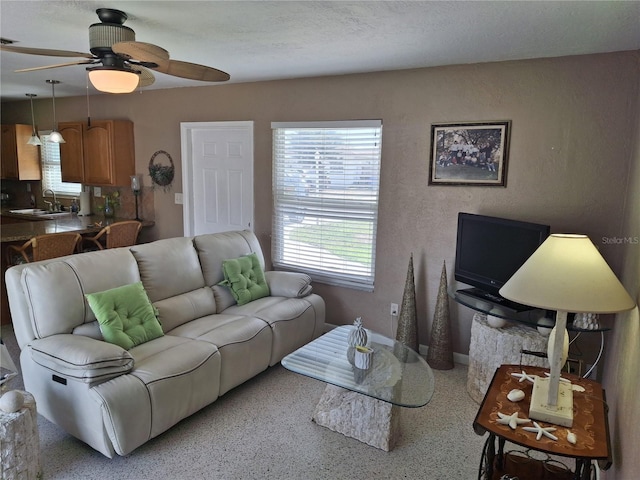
81	358
288	284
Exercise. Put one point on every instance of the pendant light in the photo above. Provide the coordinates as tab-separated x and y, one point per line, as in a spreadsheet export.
34	140
54	136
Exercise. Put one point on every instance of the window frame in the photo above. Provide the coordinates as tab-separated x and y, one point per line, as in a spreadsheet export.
355	205
46	163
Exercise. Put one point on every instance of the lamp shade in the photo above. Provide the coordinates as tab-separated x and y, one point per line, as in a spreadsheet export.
113	80
568	273
34	140
55	137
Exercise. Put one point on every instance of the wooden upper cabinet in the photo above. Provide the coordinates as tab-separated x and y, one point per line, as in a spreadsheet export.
101	153
19	160
71	156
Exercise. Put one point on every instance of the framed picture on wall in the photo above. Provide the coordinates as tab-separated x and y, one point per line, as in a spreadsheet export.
474	153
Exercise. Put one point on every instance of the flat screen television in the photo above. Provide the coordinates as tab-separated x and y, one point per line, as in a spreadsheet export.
489	250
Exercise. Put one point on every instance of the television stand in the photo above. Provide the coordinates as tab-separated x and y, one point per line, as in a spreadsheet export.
494	299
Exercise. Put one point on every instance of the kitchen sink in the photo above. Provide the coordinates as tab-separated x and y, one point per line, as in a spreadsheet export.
28	211
39	212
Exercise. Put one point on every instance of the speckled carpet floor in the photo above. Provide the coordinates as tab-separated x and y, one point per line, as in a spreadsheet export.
263	430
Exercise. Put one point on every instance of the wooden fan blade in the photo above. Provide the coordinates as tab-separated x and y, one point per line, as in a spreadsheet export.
192	71
146	77
33	69
44	51
141	52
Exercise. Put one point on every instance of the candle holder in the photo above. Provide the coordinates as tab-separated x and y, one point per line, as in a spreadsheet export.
136	186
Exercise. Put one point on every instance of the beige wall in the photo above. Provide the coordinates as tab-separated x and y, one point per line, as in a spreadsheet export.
574	121
621	379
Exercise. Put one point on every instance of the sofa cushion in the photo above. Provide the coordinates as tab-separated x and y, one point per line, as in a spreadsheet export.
53	291
168	267
244	344
126	315
214	248
245	277
181	376
292	320
116	267
174	311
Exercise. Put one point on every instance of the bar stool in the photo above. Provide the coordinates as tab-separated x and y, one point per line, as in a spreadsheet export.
43	247
119	234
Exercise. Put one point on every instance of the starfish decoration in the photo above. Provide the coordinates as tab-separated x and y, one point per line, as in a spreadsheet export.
512	420
523	376
546	431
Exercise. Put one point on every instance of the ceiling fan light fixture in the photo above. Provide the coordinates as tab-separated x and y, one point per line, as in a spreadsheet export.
113	80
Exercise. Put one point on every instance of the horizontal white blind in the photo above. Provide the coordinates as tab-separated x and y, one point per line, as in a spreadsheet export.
325	185
51	173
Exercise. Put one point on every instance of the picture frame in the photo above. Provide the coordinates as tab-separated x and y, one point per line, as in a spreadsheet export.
473	153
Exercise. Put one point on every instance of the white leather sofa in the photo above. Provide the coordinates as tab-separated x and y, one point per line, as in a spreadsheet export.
115	399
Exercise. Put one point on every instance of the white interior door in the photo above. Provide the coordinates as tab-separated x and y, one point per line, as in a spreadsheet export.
217	176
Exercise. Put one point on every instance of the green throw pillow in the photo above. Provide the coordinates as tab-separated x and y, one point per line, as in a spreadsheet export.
125	315
245	277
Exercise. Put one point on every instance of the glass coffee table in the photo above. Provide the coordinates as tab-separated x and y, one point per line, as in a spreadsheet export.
363	404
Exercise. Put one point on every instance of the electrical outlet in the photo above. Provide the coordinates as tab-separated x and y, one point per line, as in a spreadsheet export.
394	309
97	191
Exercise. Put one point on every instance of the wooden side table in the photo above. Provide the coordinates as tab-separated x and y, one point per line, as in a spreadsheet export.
20	442
590	426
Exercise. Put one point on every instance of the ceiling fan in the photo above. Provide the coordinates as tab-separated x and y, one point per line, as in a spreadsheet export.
122	64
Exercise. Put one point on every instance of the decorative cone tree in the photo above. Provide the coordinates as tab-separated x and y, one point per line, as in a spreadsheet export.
440	354
407	333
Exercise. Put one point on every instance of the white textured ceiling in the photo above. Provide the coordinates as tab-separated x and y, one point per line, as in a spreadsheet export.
266	40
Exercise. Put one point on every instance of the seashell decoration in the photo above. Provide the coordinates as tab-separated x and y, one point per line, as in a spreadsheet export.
11	401
571	438
515	395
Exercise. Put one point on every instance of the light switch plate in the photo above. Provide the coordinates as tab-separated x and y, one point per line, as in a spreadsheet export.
97	191
178	199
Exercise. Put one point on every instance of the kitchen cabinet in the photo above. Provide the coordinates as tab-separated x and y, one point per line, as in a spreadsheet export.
97	153
19	160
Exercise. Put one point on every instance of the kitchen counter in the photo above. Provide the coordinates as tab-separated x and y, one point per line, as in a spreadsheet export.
24	230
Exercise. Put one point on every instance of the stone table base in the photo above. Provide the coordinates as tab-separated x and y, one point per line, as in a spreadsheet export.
358	416
20	443
491	347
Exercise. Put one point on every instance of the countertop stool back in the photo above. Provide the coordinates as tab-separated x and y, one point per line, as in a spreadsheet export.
119	234
43	247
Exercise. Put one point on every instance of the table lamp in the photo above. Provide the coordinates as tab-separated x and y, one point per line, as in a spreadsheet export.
567	274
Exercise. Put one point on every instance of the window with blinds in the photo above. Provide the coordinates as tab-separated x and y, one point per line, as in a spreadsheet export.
51	173
326	178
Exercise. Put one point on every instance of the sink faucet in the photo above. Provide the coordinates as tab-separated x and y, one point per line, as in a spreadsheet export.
52	206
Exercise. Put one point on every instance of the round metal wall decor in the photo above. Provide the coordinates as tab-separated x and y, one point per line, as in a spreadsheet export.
161	175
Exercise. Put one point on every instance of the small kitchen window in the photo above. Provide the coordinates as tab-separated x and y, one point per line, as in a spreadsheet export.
51	172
